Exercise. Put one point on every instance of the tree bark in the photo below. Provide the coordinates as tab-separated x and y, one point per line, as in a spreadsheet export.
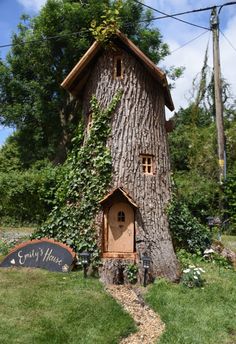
69	116
138	128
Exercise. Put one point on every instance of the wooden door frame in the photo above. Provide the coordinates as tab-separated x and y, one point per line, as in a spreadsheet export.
105	253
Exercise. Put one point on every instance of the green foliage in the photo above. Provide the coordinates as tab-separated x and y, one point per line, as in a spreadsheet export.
84	181
131	270
186	258
10	159
230	133
192	277
230	201
109	25
4	247
7	244
192	115
220	261
26	197
229	241
199	193
31	99
187	232
193	147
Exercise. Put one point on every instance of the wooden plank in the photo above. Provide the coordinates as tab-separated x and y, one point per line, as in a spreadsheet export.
120	255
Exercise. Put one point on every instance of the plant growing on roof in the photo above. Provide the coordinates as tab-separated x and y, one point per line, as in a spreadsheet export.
110	23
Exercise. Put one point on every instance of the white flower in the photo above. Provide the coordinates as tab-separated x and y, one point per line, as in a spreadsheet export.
209	251
200	269
186	271
195	277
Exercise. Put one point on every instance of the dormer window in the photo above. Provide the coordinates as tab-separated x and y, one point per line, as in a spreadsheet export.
118	67
147	164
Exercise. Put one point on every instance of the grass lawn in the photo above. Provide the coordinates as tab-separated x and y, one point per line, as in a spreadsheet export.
197	316
37	306
229	241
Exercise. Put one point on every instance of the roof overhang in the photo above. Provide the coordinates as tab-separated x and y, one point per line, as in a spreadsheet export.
76	79
121	191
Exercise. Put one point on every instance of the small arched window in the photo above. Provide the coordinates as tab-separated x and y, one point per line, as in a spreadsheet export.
121	216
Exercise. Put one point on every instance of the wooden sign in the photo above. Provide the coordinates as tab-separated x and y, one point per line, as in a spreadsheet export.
44	253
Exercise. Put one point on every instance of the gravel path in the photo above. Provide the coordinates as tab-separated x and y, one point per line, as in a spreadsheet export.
13	236
149	324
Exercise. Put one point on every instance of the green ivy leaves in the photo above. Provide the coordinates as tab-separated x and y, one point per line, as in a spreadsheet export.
84	181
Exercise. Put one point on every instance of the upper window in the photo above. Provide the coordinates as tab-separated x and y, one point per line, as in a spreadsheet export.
147	164
118	67
121	216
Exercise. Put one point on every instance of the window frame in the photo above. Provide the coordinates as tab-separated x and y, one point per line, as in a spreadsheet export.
118	58
146	164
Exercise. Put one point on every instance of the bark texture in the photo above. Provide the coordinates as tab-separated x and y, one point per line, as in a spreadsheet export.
138	127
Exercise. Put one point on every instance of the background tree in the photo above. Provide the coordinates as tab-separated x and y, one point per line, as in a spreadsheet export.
193	147
44	50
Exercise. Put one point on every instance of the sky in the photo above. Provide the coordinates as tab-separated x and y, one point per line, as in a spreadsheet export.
178	35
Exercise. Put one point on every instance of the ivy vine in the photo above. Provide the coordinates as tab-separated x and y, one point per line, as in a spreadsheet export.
84	182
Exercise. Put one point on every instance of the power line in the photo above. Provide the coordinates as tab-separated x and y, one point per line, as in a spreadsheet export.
188	12
78	33
83	31
226	38
171	16
165	15
194	39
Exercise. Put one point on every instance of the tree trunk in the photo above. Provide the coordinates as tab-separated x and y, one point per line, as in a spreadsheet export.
69	116
138	128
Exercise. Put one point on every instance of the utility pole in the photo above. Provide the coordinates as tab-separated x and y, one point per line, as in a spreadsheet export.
218	96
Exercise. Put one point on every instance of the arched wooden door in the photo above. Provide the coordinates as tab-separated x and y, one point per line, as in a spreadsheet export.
120	228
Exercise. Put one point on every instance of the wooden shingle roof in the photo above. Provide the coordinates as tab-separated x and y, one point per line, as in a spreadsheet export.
77	78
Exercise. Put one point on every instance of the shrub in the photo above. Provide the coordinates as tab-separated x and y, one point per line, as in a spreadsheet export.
187	232
192	277
186	258
199	193
4	247
230	202
26	197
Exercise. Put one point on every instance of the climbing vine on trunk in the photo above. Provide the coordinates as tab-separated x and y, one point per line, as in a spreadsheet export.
84	181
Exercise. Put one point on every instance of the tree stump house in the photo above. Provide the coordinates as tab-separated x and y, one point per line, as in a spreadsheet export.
133	219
